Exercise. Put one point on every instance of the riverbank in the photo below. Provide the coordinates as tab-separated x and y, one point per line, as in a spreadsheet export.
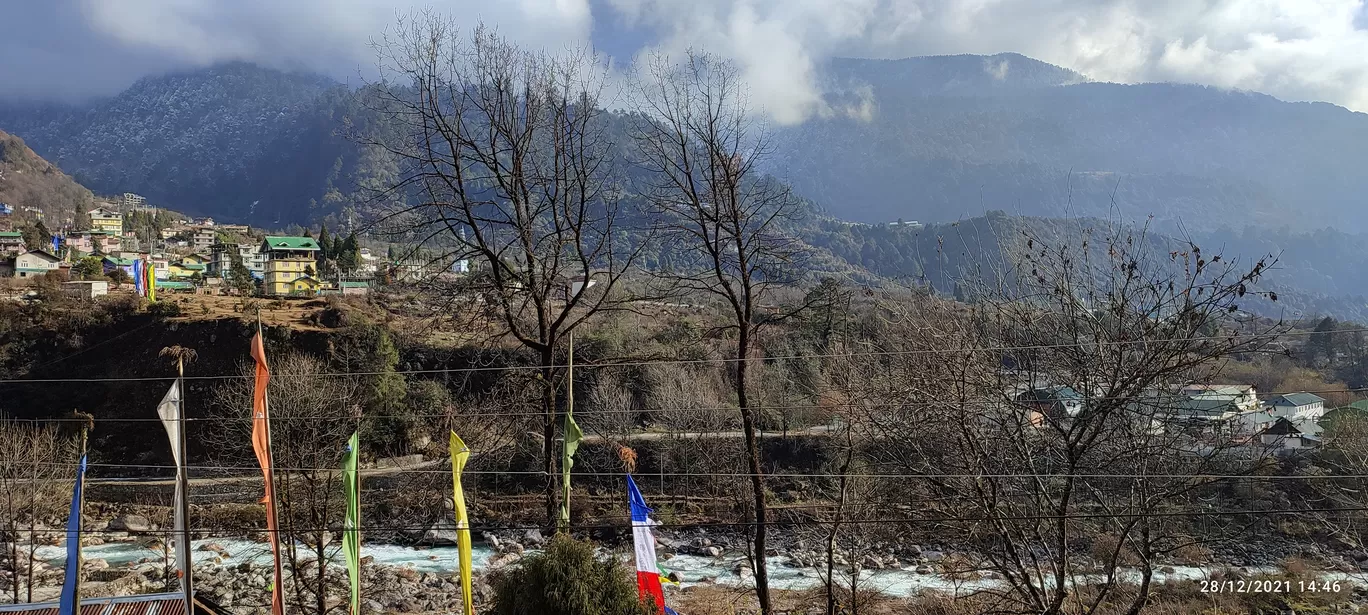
236	573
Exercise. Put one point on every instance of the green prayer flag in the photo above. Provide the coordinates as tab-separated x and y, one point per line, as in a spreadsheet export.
572	440
351	530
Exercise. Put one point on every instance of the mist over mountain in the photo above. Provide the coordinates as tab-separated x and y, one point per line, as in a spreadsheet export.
939	138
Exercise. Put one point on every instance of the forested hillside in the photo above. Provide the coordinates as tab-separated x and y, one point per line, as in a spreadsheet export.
1036	141
931	139
937	139
190	140
26	180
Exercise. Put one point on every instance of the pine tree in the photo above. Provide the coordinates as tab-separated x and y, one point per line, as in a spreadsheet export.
82	217
349	254
325	244
42	237
1322	342
240	277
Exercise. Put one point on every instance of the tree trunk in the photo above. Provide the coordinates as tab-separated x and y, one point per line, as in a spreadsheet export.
836	527
549	439
33	552
321	594
13	536
757	481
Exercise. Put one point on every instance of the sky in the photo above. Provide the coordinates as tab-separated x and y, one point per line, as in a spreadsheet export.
1293	49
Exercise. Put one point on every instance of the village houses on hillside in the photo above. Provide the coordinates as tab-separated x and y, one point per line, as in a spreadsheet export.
182	253
1217	414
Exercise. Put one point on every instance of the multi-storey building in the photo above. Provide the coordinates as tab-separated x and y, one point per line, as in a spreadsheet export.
106	220
11	241
203	239
291	265
221	258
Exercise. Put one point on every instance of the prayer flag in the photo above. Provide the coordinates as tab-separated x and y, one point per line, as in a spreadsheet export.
351	532
261	443
71	587
460	453
573	435
647	571
170	412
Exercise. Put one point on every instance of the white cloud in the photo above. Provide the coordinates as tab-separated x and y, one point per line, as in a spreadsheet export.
326	35
1293	49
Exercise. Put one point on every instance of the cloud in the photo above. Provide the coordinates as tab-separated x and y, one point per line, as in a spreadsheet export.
75	48
1293	49
327	35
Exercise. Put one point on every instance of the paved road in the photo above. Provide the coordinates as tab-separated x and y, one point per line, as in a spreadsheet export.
643	436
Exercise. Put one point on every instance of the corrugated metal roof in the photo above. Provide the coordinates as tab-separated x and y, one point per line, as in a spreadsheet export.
148	604
1297	399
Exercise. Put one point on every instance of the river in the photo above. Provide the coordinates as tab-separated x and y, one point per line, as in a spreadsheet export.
691	569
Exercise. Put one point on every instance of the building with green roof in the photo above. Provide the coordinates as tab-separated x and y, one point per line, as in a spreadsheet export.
288	259
11	241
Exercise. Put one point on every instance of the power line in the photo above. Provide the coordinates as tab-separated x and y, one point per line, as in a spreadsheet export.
873	353
1158	405
997	476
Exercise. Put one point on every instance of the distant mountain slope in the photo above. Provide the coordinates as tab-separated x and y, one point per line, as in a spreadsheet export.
931	139
26	180
1201	155
959	75
187	140
1321	272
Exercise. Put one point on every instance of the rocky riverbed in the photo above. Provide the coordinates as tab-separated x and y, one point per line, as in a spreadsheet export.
125	558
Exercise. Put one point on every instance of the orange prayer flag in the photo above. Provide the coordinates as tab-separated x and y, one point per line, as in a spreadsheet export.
261	443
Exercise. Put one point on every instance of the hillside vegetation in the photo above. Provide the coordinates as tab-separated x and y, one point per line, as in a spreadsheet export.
931	139
936	139
942	138
27	180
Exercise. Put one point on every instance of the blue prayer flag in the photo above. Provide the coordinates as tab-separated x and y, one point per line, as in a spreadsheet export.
73	545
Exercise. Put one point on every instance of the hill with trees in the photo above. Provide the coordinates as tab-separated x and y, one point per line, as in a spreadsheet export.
937	139
27	180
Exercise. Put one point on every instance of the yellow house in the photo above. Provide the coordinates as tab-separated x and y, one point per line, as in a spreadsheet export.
184	269
305	286
288	259
106	220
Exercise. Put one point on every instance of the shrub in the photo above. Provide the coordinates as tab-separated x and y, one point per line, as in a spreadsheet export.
567	579
164	309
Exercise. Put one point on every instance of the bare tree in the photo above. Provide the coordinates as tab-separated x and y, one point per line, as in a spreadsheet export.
32	482
1046	413
508	165
722	214
312	415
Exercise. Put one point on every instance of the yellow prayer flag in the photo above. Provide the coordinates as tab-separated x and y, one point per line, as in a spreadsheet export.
459	455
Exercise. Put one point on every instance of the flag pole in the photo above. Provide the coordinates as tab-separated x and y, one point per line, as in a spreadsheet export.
183	480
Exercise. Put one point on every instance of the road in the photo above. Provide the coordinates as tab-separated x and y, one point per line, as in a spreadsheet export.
642	436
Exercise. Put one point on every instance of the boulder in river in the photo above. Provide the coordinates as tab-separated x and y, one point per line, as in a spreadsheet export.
533	537
440	535
130	523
